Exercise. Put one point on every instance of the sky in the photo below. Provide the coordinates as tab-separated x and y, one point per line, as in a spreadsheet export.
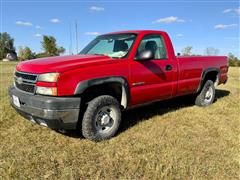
199	23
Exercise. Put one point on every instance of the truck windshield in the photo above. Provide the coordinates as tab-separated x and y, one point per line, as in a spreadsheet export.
113	45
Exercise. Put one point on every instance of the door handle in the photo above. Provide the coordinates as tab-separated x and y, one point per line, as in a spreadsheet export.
168	67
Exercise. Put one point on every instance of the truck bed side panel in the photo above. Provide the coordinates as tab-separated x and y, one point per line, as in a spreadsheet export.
191	70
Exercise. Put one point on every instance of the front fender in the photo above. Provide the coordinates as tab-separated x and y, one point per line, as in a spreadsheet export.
83	85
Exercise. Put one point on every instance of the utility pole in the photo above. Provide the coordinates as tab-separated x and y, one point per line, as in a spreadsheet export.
70	46
76	28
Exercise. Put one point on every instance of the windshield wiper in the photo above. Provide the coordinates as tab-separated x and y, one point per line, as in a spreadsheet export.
116	57
99	54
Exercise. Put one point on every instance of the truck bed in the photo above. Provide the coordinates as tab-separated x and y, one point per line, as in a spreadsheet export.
191	69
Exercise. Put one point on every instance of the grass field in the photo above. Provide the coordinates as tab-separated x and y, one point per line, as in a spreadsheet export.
168	140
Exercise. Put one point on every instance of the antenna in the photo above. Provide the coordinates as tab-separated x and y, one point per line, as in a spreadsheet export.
76	28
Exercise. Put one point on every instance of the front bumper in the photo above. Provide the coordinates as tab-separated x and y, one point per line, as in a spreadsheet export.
53	112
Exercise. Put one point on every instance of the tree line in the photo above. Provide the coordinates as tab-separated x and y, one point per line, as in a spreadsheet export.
210	51
50	48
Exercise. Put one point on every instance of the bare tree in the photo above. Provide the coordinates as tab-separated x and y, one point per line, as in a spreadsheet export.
187	51
211	51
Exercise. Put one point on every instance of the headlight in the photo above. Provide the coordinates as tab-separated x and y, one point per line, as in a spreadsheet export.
51	91
48	77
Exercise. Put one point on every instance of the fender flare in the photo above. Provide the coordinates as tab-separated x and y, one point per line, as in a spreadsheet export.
204	73
125	99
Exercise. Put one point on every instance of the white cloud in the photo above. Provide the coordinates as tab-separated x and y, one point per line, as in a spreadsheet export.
170	19
38	27
237	11
96	8
55	20
38	35
227	10
21	23
92	33
179	35
225	26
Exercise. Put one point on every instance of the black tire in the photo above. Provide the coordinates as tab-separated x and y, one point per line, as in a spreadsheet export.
207	94
101	119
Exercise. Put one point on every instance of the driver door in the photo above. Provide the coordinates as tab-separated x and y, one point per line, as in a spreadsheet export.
152	79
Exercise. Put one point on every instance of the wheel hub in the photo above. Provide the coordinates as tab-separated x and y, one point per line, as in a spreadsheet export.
105	119
208	95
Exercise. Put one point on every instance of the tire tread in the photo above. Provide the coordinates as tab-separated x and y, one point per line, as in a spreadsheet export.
88	129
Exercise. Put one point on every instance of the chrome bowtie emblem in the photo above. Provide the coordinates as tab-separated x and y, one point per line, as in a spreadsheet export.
19	80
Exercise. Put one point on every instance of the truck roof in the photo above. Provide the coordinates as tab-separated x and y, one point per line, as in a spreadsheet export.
136	31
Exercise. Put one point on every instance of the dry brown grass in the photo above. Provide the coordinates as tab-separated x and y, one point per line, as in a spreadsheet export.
169	140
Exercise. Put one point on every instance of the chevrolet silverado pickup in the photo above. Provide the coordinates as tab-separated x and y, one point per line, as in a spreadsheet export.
114	72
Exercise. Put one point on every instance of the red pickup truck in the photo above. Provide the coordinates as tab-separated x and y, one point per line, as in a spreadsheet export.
112	73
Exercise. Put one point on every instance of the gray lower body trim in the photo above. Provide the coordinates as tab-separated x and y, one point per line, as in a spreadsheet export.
67	116
55	112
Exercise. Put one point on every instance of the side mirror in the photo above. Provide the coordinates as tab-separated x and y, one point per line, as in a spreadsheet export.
178	54
145	55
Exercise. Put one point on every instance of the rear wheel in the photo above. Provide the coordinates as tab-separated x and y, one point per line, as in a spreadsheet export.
207	94
101	118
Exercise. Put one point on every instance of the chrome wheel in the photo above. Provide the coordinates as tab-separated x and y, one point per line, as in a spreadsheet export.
208	95
105	119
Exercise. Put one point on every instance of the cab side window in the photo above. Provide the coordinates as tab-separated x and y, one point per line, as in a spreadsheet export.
154	43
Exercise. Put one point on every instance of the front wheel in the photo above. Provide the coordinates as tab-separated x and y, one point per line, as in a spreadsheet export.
207	94
101	118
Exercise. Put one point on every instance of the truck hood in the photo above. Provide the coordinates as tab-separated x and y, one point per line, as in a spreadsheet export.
62	63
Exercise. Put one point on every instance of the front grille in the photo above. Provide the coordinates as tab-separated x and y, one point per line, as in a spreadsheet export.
25	87
25	81
26	76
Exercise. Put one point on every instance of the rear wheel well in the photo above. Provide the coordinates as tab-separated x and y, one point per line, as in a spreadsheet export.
211	75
